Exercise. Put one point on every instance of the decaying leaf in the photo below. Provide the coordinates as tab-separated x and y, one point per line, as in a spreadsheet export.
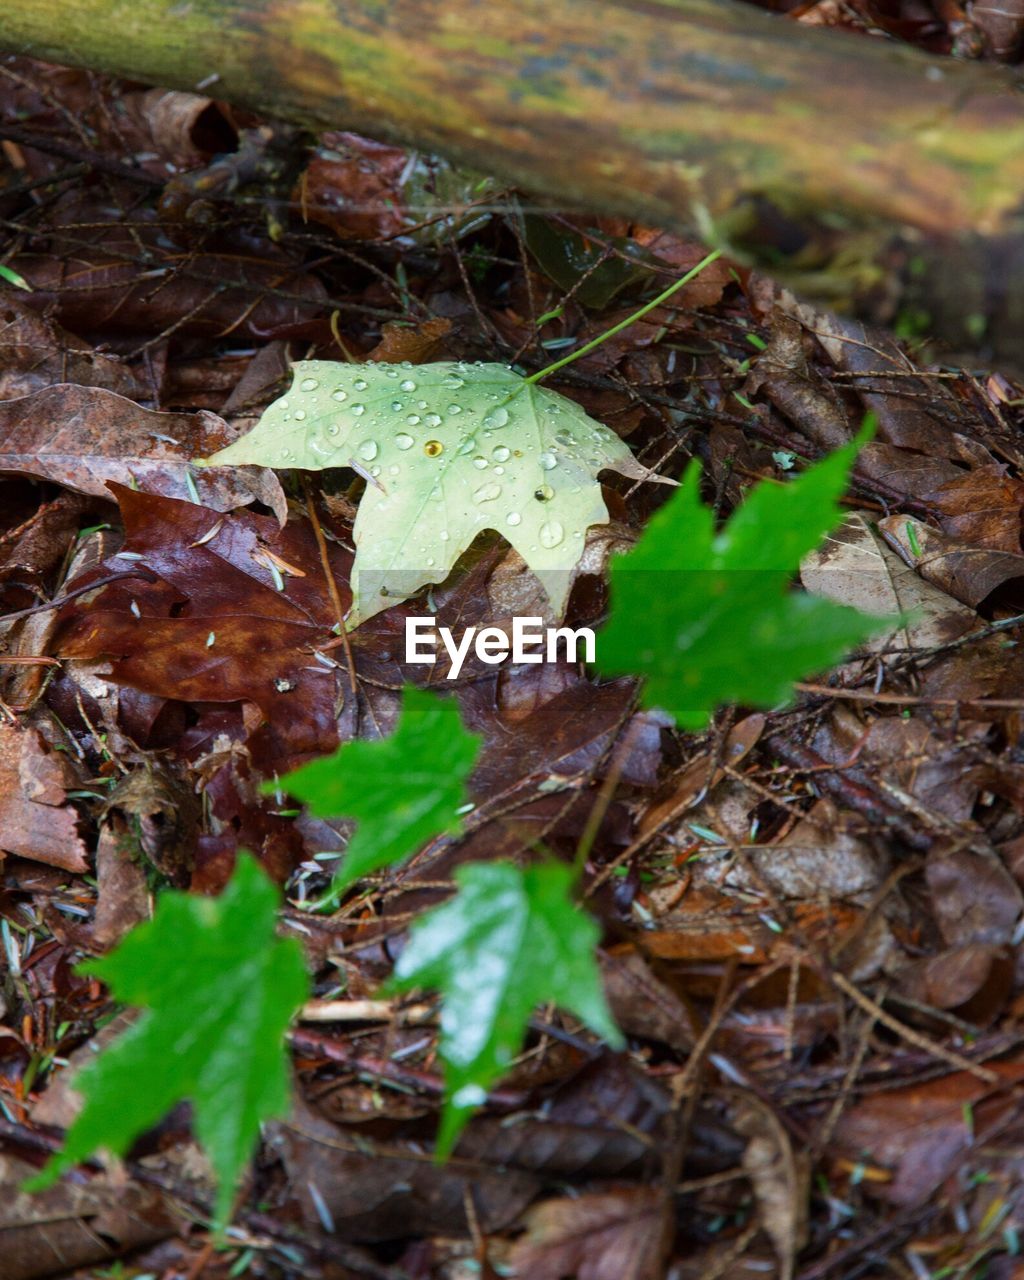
35	353
378	1191
88	1224
965	572
85	437
854	566
612	1235
34	820
780	1176
215	627
123	899
448	450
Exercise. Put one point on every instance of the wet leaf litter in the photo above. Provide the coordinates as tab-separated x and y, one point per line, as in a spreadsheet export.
768	934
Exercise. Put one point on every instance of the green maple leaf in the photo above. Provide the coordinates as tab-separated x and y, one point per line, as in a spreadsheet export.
404	789
709	618
508	941
219	992
448	450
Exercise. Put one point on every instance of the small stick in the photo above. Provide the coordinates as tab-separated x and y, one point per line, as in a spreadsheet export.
332	586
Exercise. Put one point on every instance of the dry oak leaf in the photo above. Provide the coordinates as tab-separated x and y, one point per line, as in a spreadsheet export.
34	820
85	437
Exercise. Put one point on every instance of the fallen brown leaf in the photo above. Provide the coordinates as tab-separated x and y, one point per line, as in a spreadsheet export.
35	822
85	437
612	1235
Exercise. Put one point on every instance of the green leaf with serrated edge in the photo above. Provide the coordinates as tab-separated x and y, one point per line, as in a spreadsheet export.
404	789
709	617
509	940
448	450
219	991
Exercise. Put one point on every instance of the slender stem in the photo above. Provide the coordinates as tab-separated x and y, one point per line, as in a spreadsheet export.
624	324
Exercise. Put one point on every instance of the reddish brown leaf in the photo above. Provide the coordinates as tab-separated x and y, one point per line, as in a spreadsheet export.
35	352
974	897
921	1133
214	628
965	572
612	1235
642	1004
388	1192
34	820
982	507
402	342
975	980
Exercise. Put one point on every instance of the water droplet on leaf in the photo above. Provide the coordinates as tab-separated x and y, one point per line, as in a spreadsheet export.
308	384
513	518
487	493
500	453
433	448
544	493
497	417
551	534
359	410
368	450
404	440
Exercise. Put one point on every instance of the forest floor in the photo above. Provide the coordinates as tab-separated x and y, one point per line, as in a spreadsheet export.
812	919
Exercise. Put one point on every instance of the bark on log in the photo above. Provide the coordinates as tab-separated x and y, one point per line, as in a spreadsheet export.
873	177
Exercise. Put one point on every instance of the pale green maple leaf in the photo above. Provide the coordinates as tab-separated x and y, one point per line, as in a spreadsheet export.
447	450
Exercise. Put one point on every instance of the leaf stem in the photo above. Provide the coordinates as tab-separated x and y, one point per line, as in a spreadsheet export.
624	324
